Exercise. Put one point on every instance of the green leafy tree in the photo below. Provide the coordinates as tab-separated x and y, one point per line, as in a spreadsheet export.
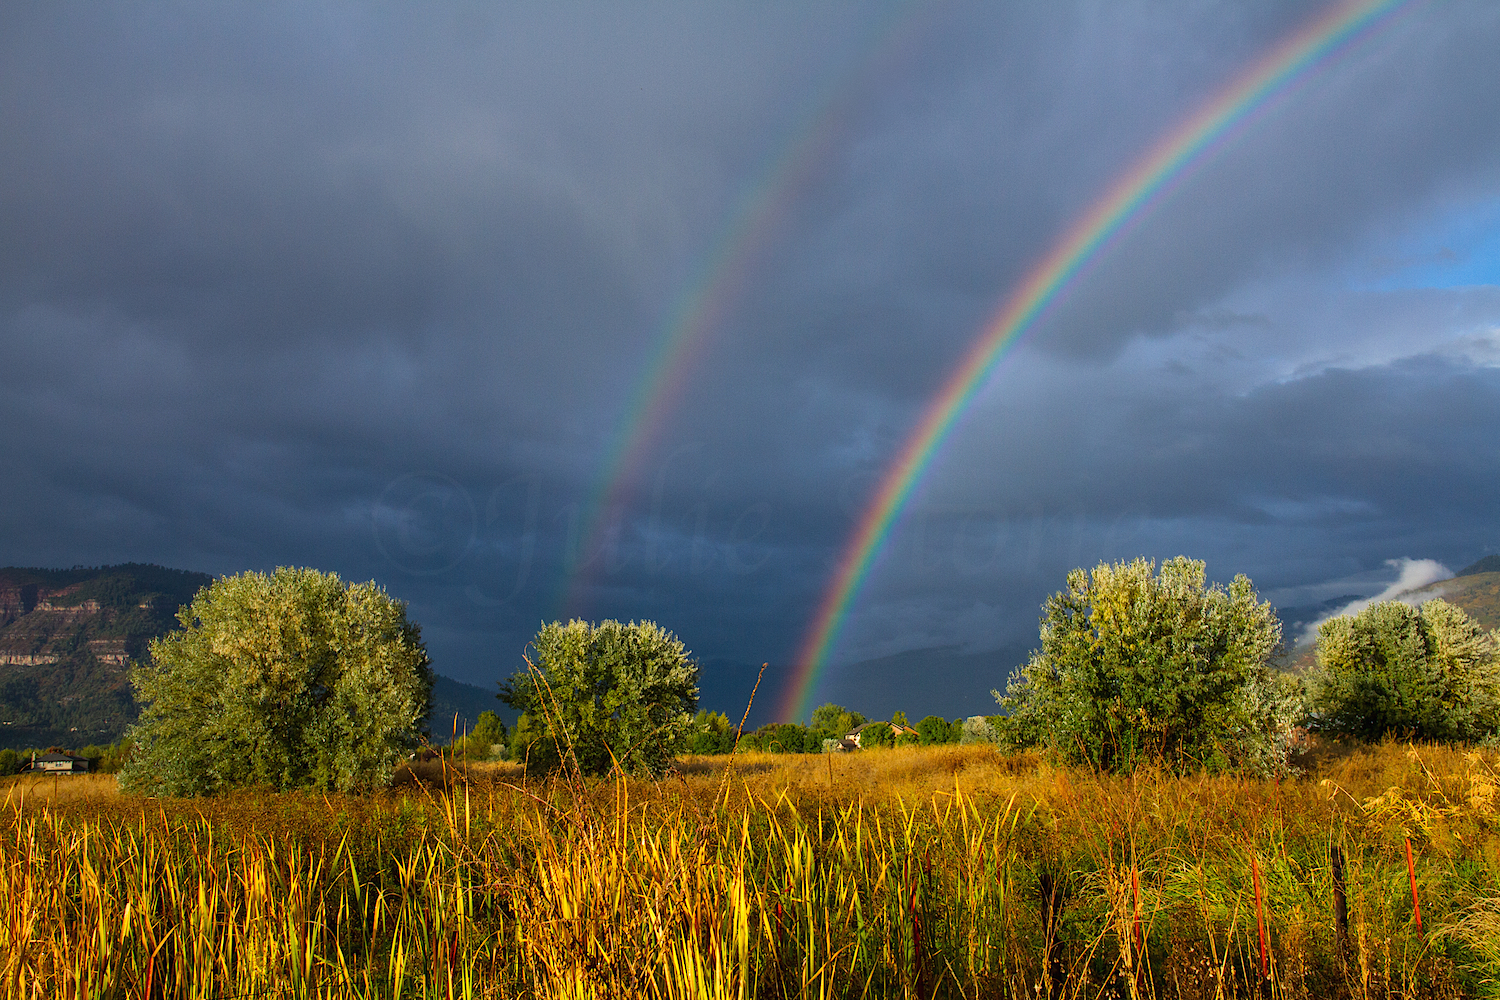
597	696
484	741
295	679
10	762
877	734
1140	666
935	729
788	737
834	721
1430	672
713	733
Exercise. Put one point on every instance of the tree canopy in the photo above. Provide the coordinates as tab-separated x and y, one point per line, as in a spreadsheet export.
834	721
1140	666
597	696
935	729
1430	672
288	680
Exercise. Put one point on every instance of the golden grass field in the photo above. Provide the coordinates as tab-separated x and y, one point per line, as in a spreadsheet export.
936	872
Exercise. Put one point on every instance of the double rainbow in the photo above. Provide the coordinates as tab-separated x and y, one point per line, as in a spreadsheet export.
711	293
1126	199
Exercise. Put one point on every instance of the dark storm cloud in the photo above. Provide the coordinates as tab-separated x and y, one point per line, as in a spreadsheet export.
373	289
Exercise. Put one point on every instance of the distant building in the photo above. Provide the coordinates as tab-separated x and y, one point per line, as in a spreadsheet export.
851	738
59	763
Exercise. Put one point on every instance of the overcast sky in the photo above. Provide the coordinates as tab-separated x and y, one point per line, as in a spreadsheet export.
375	288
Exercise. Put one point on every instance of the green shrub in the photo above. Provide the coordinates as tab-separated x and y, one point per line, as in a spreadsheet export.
1138	666
935	729
713	733
295	679
606	695
486	741
1430	673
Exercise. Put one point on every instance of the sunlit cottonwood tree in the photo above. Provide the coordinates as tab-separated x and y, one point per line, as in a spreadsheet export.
599	696
293	679
1144	667
1431	673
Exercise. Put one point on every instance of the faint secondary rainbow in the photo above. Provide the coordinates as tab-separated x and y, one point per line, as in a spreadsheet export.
713	289
1126	199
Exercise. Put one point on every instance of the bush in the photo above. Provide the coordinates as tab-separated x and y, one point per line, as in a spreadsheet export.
980	729
935	729
1138	667
486	741
290	680
10	762
713	733
597	697
1430	673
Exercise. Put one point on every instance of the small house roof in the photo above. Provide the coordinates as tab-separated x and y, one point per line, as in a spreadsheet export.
897	729
56	757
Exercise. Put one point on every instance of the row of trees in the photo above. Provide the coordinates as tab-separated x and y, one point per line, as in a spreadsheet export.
1138	665
298	679
713	733
831	723
102	758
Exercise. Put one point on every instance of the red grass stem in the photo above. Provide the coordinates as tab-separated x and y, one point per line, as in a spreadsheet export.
1140	936
1411	874
1260	917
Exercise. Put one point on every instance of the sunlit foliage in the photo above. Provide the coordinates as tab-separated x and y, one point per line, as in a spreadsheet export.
1138	666
295	679
1430	672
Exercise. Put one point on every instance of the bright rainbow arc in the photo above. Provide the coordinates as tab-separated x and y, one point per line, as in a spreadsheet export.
1125	200
714	288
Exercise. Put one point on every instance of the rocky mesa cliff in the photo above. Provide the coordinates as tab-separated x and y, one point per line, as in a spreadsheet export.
66	640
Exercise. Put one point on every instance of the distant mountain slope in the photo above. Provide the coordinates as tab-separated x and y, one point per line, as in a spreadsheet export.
1476	593
943	680
451	698
66	637
1489	564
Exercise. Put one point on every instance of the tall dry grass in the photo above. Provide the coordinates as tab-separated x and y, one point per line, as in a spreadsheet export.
940	872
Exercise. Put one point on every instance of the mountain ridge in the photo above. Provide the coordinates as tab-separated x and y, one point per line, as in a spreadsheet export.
68	636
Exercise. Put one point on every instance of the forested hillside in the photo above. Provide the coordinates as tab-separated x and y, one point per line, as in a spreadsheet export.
66	639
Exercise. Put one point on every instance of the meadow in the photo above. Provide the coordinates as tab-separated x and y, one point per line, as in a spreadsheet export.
950	871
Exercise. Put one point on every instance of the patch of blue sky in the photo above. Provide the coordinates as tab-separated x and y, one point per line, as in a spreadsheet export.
1461	250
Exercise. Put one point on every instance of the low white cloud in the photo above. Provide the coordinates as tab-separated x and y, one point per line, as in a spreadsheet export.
1411	574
